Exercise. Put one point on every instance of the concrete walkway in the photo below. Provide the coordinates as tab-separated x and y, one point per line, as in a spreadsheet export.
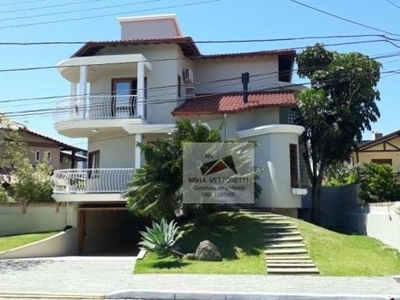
111	276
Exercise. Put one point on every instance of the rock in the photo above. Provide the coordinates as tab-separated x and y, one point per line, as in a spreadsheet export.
207	251
190	256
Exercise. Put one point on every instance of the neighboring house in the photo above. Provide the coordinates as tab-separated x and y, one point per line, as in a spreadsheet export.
59	155
381	149
136	88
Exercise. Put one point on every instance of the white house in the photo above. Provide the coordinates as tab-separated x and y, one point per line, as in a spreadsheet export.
134	89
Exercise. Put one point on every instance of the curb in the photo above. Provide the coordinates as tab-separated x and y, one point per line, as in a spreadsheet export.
25	295
148	295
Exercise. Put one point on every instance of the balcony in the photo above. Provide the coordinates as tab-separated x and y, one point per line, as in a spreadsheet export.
79	116
81	185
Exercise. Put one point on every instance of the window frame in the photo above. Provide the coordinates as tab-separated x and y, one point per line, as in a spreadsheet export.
36	155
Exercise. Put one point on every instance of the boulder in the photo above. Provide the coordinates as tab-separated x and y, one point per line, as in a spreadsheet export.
207	251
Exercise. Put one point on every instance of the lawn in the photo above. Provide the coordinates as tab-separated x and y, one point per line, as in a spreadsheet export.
13	241
348	255
238	237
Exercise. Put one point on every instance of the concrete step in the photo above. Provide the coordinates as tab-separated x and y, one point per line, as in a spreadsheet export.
285	251
289	262
291	257
295	238
297	271
279	227
290	265
276	222
285	245
283	233
271	217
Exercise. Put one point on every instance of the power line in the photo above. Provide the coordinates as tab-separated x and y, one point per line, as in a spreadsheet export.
107	15
343	19
50	111
22	2
212	41
198	83
77	10
392	3
171	59
45	7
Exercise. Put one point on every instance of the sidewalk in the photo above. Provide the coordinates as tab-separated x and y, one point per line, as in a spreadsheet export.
110	278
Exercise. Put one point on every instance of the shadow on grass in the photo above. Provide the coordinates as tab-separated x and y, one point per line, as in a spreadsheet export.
169	264
229	232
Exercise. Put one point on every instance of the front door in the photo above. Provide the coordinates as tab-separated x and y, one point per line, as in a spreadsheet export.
123	104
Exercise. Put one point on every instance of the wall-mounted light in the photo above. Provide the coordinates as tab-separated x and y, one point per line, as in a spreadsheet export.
95	130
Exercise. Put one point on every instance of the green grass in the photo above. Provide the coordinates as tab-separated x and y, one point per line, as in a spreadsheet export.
14	241
238	237
348	255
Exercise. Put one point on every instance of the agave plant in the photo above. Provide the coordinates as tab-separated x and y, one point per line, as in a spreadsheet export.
161	238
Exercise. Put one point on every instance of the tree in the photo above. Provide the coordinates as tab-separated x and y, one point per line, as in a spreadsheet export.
13	149
156	187
156	190
338	107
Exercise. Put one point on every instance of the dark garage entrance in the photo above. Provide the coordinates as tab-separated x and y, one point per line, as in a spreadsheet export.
108	229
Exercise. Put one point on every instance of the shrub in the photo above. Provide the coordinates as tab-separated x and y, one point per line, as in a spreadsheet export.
4	196
379	183
33	183
161	238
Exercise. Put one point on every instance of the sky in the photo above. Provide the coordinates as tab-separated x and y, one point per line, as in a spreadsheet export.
81	21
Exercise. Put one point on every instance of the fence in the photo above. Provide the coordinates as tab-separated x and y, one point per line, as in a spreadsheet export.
341	209
18	218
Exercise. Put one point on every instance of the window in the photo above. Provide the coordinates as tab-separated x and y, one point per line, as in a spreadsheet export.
382	161
47	155
94	160
123	104
179	86
38	154
94	163
293	165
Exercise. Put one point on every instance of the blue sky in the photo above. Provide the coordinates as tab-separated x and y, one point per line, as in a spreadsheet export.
220	20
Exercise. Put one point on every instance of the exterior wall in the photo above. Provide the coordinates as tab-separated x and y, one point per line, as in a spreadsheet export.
211	70
62	244
272	155
16	218
341	209
117	149
35	142
378	152
381	221
161	81
149	29
366	157
236	122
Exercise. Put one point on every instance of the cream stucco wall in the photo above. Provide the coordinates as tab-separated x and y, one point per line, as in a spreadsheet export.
161	81
208	72
117	149
272	156
62	244
15	219
149	29
231	123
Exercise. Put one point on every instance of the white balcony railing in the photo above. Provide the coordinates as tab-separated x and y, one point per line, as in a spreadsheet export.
88	181
95	107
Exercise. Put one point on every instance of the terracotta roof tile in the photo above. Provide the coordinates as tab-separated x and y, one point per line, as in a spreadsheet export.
233	103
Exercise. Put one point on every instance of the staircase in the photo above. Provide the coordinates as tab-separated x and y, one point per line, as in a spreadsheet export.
285	251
